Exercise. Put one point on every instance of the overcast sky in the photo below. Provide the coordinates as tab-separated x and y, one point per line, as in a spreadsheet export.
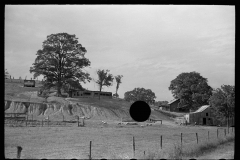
149	45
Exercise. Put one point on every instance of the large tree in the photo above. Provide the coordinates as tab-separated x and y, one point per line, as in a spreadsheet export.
192	89
61	61
118	80
6	72
104	79
223	102
140	94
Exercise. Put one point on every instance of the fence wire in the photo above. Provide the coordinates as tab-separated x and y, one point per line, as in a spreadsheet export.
107	147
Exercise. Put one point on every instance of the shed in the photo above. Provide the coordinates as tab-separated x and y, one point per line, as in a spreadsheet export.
89	94
29	83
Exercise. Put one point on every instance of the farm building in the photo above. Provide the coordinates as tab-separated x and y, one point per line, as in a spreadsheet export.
89	94
164	107
175	106
201	116
204	116
29	83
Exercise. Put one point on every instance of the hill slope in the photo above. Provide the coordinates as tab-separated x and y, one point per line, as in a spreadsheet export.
26	100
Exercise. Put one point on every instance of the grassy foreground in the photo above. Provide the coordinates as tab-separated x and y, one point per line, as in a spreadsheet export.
191	151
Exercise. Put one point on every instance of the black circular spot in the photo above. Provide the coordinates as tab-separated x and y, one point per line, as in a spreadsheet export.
140	111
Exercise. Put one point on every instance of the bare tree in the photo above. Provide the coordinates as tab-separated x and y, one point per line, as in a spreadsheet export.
118	80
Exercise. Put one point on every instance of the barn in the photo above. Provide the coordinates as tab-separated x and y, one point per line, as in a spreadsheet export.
204	116
175	106
201	116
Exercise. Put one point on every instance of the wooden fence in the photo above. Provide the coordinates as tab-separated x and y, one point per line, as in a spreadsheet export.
161	142
22	119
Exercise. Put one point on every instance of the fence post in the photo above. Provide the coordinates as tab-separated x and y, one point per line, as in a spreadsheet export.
32	119
26	119
90	150
133	147
181	139
208	135
19	149
83	123
161	141
144	154
48	120
78	121
197	137
161	121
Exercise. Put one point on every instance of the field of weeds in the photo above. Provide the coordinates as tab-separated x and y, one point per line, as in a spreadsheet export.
108	141
223	147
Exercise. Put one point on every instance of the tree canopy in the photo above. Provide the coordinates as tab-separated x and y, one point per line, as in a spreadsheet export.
192	89
140	94
61	61
104	79
6	74
223	102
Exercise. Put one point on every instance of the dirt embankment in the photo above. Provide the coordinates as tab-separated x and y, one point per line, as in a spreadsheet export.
59	108
69	110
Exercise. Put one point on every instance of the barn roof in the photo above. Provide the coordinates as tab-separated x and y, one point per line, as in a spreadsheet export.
173	101
201	108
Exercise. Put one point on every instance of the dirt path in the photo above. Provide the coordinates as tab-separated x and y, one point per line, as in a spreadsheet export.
225	151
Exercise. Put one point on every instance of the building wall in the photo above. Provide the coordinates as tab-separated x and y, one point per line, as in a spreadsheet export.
90	94
173	106
164	108
203	118
29	83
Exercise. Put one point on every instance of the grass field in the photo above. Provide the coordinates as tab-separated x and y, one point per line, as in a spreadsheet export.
108	141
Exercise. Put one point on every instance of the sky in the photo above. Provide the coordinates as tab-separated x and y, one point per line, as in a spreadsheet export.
150	45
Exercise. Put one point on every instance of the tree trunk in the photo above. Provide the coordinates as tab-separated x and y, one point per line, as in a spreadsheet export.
59	89
228	118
